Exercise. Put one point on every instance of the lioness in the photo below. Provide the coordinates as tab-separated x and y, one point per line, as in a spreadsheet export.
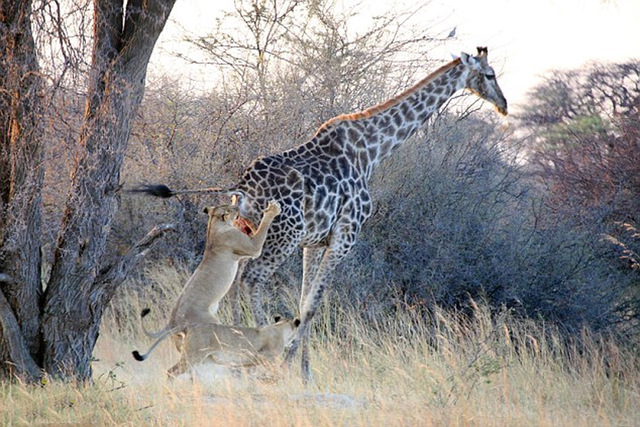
230	345
226	245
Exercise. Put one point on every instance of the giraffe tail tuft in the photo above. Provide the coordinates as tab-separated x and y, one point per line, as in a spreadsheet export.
156	190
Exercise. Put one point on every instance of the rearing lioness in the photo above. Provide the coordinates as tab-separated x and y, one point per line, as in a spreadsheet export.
225	246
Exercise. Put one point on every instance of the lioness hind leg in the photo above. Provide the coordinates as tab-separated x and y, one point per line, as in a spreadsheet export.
188	358
177	370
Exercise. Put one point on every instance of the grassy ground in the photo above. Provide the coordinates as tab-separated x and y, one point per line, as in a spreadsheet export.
483	371
393	370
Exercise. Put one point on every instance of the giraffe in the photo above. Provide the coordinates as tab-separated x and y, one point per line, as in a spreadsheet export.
322	185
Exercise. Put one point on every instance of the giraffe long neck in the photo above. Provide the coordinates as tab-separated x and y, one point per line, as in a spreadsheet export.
378	130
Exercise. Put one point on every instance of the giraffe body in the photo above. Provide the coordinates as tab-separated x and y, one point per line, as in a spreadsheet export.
322	185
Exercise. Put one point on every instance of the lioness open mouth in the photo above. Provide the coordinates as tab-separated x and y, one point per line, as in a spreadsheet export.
244	225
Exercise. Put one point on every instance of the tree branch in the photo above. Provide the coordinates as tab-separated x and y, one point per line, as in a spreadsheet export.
109	278
19	356
143	24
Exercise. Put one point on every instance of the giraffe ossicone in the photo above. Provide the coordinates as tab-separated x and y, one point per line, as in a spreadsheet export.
322	185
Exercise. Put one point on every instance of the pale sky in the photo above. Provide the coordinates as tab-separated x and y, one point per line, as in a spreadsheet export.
525	37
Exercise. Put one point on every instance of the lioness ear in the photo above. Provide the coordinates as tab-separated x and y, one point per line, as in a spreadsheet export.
277	318
296	322
205	210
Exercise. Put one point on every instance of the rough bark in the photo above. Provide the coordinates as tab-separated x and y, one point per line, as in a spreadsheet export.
18	361
21	180
55	331
76	294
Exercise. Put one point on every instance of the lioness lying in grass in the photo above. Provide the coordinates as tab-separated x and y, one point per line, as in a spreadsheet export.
230	345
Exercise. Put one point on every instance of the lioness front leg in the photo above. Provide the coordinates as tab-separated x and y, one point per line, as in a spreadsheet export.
252	246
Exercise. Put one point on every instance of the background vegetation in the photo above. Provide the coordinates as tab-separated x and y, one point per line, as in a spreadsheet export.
498	279
539	216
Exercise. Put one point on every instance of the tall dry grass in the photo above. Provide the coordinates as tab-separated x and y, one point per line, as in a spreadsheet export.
403	369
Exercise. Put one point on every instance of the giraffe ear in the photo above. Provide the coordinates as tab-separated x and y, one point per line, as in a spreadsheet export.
469	61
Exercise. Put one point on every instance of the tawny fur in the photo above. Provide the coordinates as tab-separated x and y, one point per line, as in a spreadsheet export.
226	246
233	345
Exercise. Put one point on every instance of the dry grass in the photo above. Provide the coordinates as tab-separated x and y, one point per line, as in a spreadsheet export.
402	370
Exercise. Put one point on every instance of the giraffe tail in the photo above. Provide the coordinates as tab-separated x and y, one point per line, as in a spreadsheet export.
161	190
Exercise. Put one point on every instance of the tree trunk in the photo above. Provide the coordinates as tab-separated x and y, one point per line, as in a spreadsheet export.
21	181
74	299
57	330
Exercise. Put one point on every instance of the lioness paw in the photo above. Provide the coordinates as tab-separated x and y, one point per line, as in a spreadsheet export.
273	208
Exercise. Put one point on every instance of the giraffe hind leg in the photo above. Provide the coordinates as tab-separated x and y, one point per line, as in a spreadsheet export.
310	262
311	259
258	271
309	307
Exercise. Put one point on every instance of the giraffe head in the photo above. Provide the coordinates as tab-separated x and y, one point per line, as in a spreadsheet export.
481	79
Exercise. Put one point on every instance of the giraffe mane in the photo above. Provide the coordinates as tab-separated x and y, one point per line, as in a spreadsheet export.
371	111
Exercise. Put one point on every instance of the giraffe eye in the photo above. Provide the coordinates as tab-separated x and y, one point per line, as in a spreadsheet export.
490	76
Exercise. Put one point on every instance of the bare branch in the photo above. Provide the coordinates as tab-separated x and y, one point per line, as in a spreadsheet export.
109	278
